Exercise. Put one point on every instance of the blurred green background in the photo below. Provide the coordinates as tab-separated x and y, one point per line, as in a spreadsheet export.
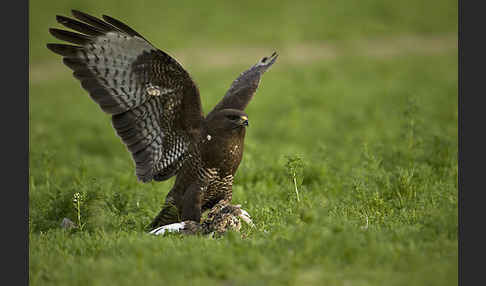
364	93
174	25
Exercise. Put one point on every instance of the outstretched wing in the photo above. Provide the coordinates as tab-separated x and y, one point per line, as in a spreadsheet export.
154	103
245	86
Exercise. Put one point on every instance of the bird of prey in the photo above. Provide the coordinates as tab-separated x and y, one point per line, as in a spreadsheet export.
156	110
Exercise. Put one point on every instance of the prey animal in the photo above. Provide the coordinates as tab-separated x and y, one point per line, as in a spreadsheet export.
156	110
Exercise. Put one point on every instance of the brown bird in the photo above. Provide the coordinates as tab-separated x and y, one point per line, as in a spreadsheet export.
156	111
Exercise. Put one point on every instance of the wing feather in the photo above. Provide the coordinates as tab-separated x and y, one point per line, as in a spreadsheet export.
244	87
122	26
67	36
93	21
79	26
154	103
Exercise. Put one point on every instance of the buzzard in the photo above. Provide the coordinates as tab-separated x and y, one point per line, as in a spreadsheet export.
156	110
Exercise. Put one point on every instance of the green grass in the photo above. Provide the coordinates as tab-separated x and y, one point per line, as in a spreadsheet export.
377	136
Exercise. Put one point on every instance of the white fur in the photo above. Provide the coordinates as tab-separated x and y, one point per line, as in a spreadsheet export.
245	216
175	227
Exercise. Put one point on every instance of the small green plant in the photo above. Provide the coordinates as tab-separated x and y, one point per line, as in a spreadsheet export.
412	124
295	171
78	200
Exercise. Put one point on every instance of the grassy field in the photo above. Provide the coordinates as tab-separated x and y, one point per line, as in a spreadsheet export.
364	95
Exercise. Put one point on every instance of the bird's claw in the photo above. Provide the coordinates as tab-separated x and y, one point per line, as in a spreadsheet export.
188	228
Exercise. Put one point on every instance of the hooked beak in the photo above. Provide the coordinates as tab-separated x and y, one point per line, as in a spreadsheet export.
244	121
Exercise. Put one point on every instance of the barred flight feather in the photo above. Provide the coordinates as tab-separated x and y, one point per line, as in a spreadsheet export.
116	65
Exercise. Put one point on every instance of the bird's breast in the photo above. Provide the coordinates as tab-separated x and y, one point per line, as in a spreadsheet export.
224	155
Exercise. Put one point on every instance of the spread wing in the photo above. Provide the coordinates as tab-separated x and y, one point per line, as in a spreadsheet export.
245	86
154	103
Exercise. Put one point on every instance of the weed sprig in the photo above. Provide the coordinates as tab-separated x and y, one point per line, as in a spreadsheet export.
295	171
78	200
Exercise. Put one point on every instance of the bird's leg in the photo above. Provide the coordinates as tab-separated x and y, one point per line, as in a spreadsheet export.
191	203
185	218
191	214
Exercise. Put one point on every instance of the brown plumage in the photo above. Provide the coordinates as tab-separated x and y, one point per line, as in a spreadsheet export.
156	111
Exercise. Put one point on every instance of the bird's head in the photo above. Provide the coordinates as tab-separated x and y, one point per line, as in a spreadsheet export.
227	120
